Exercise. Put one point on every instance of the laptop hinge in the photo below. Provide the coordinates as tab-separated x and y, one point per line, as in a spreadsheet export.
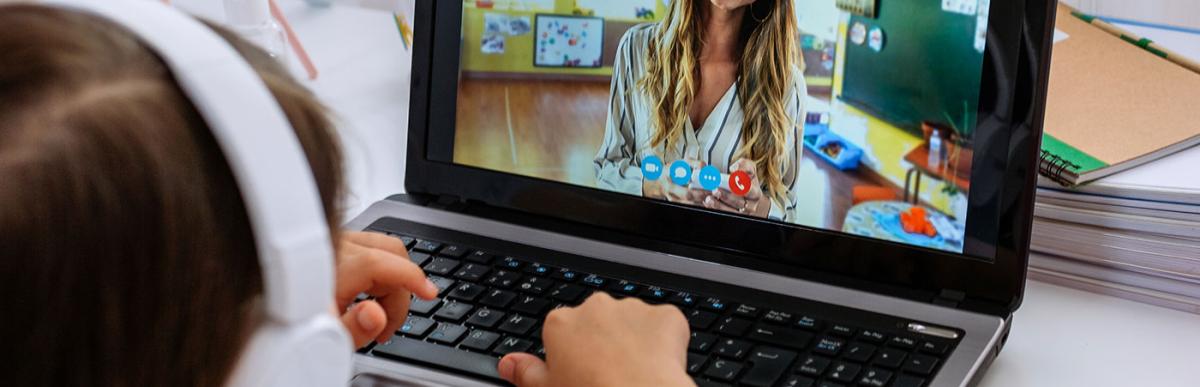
447	201
949	298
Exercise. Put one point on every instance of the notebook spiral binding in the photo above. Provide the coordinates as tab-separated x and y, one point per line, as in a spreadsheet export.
1053	167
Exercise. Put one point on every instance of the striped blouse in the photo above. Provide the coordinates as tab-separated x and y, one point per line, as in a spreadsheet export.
627	133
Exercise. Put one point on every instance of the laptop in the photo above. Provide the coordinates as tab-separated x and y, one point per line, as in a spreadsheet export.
893	255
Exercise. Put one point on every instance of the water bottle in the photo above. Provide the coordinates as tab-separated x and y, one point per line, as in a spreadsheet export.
251	19
935	149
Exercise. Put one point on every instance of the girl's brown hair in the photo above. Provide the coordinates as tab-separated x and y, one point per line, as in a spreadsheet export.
126	257
769	60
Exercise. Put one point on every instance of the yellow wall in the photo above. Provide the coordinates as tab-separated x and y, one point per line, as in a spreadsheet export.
518	50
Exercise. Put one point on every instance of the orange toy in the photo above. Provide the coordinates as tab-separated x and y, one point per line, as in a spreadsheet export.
916	221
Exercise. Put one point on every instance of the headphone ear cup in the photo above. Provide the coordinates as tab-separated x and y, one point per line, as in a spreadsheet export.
306	354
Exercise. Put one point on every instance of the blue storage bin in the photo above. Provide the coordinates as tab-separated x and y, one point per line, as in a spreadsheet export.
848	155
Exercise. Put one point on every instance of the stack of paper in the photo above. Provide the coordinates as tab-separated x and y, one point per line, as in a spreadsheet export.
1135	234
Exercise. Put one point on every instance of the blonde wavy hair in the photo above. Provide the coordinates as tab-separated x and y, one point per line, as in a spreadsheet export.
769	59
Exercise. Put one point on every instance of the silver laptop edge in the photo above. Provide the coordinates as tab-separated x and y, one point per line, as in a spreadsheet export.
983	332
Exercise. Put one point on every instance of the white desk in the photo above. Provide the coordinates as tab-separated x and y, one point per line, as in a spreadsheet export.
1061	337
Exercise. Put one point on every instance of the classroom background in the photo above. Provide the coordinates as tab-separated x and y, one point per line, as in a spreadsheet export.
868	160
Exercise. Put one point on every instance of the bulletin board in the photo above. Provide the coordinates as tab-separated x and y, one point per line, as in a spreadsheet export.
568	41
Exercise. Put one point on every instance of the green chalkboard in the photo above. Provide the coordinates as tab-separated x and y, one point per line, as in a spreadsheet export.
928	69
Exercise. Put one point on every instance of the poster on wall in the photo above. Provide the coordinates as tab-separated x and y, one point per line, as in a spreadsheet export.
568	41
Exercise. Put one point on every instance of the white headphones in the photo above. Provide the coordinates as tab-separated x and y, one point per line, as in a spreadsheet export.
301	343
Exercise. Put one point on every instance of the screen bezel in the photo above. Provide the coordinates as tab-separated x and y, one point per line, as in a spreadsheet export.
1017	57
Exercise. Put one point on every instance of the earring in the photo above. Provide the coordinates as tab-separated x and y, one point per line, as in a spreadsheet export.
755	16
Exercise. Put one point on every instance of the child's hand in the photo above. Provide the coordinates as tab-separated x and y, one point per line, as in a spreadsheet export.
377	265
606	342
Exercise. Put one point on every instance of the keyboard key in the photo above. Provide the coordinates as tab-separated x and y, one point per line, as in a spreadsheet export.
596	281
747	311
714	304
480	340
732	326
766	366
569	293
518	325
787	337
809	323
510	263
934	347
473	272
420	259
502	279
539	269
441	266
497	298
485	318
624	288
709	383
512	344
466	291
859	352
870	335
480	257
829	346
452	251
654	294
826	383
453	311
813	365
695	363
730	348
415	326
889	357
908	381
408	241
920	364
875	378
535	285
844	372
682	299
432	354
532	306
903	342
797	381
777	317
724	370
565	274
427	246
447	333
442	283
701	342
423	308
842	330
699	319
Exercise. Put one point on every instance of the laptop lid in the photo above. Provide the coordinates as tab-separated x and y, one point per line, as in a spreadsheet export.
884	145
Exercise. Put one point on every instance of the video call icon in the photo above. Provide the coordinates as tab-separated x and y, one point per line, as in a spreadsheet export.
681	172
652	167
710	178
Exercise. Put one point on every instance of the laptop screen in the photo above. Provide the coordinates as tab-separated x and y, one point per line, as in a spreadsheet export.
857	117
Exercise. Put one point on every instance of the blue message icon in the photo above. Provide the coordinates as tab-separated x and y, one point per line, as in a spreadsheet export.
652	167
681	173
710	177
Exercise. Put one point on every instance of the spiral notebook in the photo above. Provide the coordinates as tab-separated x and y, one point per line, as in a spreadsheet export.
1113	105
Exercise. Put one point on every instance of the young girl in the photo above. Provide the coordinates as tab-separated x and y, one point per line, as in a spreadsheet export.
126	256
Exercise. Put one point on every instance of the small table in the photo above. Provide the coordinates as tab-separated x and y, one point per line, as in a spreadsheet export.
959	175
880	219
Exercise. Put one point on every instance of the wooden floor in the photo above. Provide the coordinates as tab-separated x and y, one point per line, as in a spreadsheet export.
545	129
552	130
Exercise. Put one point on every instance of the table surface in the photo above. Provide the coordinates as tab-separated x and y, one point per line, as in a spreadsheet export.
1060	336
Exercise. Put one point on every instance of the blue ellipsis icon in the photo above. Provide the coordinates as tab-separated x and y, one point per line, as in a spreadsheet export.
652	167
710	177
681	172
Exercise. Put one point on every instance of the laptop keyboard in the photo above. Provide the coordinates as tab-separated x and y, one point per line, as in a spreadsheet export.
491	305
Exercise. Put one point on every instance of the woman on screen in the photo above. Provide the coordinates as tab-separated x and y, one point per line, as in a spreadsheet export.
717	82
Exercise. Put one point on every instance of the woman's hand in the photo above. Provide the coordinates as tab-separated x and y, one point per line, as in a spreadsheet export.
753	203
665	189
606	342
377	265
